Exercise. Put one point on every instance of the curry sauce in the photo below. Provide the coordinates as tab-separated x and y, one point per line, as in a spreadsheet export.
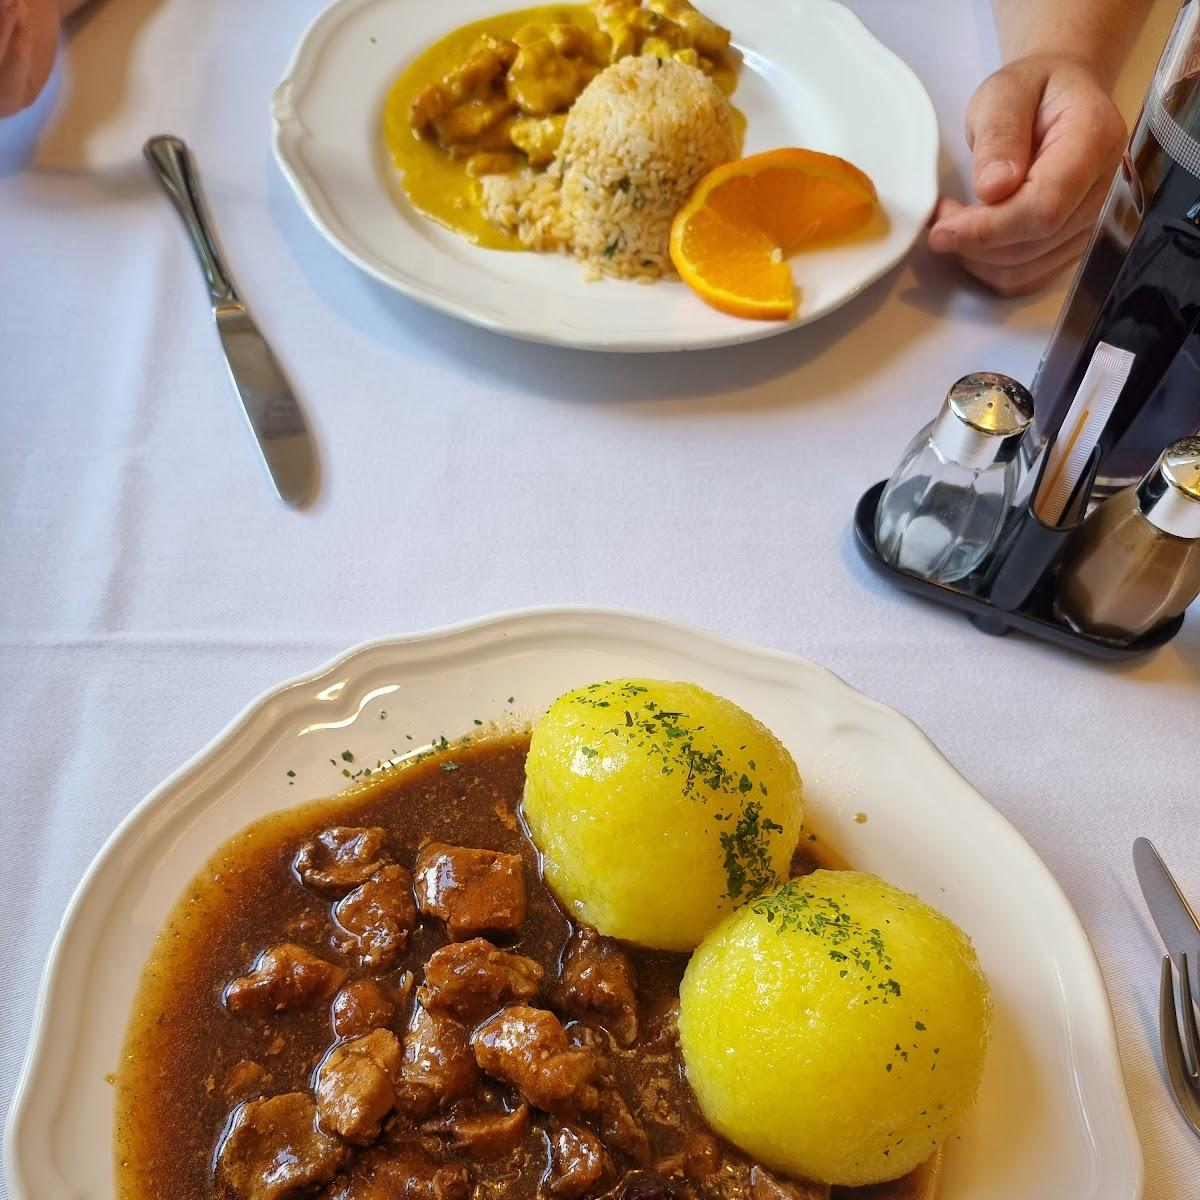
444	186
203	1051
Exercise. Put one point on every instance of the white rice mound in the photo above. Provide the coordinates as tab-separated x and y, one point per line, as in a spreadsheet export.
637	141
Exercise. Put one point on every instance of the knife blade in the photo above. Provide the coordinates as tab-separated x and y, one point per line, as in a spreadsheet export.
1173	916
270	405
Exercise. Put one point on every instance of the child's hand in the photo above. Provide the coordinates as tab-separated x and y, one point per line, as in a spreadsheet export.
1045	140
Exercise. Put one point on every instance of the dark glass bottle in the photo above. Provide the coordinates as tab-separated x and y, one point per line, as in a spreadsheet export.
1138	287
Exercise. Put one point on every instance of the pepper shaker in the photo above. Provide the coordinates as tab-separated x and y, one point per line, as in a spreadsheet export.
942	510
1134	564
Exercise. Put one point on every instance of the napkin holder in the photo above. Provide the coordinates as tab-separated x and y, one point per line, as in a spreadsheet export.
1020	595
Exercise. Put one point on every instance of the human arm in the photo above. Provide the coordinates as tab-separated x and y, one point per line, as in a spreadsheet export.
1045	138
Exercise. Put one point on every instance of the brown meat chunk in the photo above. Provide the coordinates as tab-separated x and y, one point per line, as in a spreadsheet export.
356	1085
339	859
284	977
439	1065
473	891
401	1172
360	1007
482	1133
609	1115
765	1186
471	980
699	1160
528	1048
597	980
274	1149
378	916
649	1185
662	1027
578	1163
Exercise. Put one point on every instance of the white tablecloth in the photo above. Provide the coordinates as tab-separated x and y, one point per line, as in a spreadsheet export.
151	585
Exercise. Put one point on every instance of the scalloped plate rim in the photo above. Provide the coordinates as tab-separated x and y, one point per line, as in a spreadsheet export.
289	135
777	665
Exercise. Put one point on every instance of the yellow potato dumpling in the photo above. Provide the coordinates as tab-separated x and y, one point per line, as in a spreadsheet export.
835	1029
657	807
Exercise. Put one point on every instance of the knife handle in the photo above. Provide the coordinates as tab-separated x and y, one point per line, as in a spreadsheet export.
172	164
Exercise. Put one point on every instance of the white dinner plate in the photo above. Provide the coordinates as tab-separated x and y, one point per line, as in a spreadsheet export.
1052	1121
811	76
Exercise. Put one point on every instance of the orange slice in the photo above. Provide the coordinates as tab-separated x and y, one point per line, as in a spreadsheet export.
730	242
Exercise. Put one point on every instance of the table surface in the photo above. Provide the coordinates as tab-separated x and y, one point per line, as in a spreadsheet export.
151	585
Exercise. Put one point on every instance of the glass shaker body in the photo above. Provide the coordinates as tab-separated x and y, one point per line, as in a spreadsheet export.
938	518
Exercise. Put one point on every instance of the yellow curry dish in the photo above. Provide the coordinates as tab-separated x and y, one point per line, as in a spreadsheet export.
579	128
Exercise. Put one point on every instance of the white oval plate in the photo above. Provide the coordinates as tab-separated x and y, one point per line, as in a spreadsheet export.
812	76
1052	1120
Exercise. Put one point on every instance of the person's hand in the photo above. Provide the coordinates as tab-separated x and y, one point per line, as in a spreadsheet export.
1045	138
28	43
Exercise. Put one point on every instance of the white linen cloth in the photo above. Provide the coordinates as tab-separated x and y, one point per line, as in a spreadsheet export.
151	585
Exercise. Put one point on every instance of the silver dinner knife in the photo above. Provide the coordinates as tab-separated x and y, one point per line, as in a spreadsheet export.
271	408
1177	924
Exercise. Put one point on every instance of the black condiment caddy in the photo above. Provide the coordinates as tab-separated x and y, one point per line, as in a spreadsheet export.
1020	597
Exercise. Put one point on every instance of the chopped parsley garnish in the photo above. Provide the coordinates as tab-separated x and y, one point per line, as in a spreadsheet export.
347	756
676	744
747	847
796	908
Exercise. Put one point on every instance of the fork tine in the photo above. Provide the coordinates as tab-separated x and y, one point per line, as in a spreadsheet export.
1188	1019
1172	1050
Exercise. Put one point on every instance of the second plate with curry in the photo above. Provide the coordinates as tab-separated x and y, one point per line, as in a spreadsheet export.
808	74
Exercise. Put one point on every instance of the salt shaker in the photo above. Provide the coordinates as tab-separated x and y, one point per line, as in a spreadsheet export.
941	512
1134	564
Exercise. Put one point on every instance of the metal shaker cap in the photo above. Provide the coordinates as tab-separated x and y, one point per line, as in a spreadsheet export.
1169	496
983	420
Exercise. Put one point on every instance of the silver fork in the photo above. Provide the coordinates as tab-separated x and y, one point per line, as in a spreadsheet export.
1183	1065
